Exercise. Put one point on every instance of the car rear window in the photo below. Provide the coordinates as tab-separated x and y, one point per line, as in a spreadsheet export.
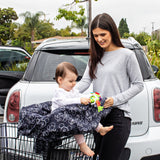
146	69
47	63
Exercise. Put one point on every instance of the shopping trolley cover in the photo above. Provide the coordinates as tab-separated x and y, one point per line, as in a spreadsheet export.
37	121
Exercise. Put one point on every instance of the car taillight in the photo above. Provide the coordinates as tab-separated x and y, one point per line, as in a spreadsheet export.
13	107
27	57
156	98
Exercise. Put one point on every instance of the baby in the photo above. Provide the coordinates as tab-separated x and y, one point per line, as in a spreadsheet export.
66	76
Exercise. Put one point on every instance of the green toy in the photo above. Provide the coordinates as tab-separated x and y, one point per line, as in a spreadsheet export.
96	98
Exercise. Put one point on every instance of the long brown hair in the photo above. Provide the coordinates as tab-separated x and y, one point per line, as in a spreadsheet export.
103	21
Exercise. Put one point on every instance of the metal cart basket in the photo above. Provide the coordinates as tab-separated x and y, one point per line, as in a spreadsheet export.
14	147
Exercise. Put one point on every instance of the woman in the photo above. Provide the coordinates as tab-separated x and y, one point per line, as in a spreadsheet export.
115	74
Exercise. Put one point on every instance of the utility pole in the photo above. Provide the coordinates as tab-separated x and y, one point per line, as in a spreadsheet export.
90	11
144	29
152	26
89	15
152	30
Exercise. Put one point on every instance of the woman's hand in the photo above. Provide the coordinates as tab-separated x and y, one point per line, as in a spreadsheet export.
108	102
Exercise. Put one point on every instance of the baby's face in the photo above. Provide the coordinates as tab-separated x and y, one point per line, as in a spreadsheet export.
68	82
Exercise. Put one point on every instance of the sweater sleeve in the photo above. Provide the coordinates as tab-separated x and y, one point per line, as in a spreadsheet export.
135	76
85	82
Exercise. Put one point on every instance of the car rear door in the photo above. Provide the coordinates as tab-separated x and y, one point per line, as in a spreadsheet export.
42	82
139	113
140	103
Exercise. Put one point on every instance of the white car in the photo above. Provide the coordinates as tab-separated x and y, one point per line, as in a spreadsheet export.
13	61
38	83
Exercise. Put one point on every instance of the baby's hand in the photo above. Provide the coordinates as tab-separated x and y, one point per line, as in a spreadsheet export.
108	102
85	101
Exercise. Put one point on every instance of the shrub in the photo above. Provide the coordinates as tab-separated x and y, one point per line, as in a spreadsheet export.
154	59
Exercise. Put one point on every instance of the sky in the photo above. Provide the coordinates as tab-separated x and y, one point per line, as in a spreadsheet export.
141	15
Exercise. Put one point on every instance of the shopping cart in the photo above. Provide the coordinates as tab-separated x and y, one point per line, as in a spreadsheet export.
14	147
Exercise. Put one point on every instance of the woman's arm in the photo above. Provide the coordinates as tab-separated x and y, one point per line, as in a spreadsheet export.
135	76
85	82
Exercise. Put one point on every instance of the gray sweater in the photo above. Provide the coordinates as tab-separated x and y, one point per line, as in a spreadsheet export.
118	76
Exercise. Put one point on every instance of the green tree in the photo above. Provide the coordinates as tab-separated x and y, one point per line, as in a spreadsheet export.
89	9
80	23
154	46
143	38
45	30
6	28
76	17
126	35
154	53
31	22
65	32
21	36
123	27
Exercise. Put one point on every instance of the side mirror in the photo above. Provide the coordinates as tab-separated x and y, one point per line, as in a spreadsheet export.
155	69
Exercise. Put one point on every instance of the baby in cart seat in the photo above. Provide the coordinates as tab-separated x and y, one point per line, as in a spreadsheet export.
66	76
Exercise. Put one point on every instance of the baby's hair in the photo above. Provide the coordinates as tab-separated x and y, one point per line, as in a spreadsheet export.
62	68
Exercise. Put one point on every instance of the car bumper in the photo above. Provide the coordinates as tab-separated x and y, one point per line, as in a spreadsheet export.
146	145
